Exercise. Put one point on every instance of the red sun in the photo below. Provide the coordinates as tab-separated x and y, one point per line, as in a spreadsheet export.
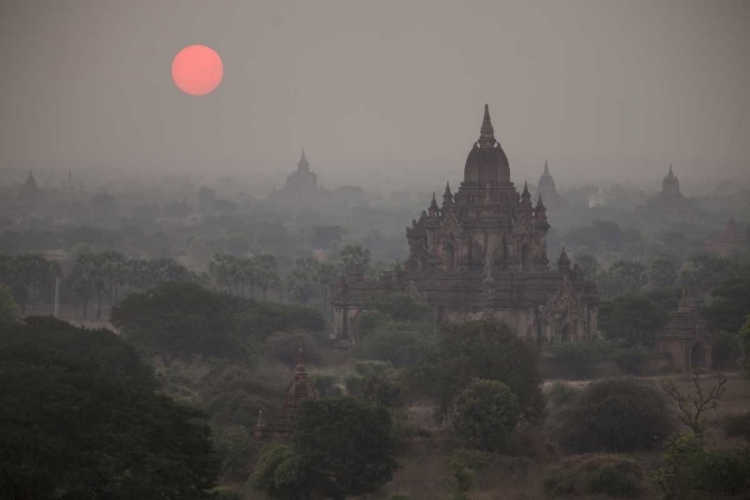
197	70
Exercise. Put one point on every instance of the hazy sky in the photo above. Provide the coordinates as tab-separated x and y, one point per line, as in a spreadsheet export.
386	85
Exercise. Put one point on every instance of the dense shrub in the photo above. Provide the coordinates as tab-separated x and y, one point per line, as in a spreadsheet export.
234	395
614	415
688	471
631	359
224	493
284	347
486	350
260	319
609	475
724	349
401	344
485	413
326	385
237	447
737	425
382	388
561	394
634	319
576	359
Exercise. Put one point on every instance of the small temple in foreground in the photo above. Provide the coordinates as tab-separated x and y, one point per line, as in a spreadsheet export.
301	389
482	253
685	339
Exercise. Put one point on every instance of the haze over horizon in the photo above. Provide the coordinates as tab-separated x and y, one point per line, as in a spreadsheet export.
601	89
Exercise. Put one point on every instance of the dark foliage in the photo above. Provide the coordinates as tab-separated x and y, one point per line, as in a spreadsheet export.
609	475
730	305
634	319
346	444
180	320
737	425
577	359
80	419
614	415
340	448
486	350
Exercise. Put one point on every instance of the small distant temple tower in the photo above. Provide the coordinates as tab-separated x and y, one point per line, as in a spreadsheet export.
546	188
300	390
301	185
685	339
727	241
30	189
670	204
482	254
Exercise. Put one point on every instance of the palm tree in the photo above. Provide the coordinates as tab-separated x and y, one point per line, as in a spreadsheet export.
267	273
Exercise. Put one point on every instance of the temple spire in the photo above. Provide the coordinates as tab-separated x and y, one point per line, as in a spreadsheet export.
546	168
303	164
447	195
539	203
487	132
300	368
433	210
670	170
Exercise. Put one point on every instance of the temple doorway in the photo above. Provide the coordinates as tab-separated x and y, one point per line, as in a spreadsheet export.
565	333
698	356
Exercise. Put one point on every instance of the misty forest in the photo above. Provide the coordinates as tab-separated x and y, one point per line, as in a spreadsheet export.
237	287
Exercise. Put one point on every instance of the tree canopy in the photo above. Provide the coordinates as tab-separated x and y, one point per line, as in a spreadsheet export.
486	350
634	319
80	418
340	447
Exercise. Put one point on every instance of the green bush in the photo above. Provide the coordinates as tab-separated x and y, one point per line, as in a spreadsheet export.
402	344
464	464
737	425
561	394
615	416
631	359
688	471
725	349
224	493
609	475
381	389
326	385
284	347
485	413
577	359
237	448
371	367
723	472
486	350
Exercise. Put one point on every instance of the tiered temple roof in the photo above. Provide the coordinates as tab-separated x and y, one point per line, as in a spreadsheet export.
300	390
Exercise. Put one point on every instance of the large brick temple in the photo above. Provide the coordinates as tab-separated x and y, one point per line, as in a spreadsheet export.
482	254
